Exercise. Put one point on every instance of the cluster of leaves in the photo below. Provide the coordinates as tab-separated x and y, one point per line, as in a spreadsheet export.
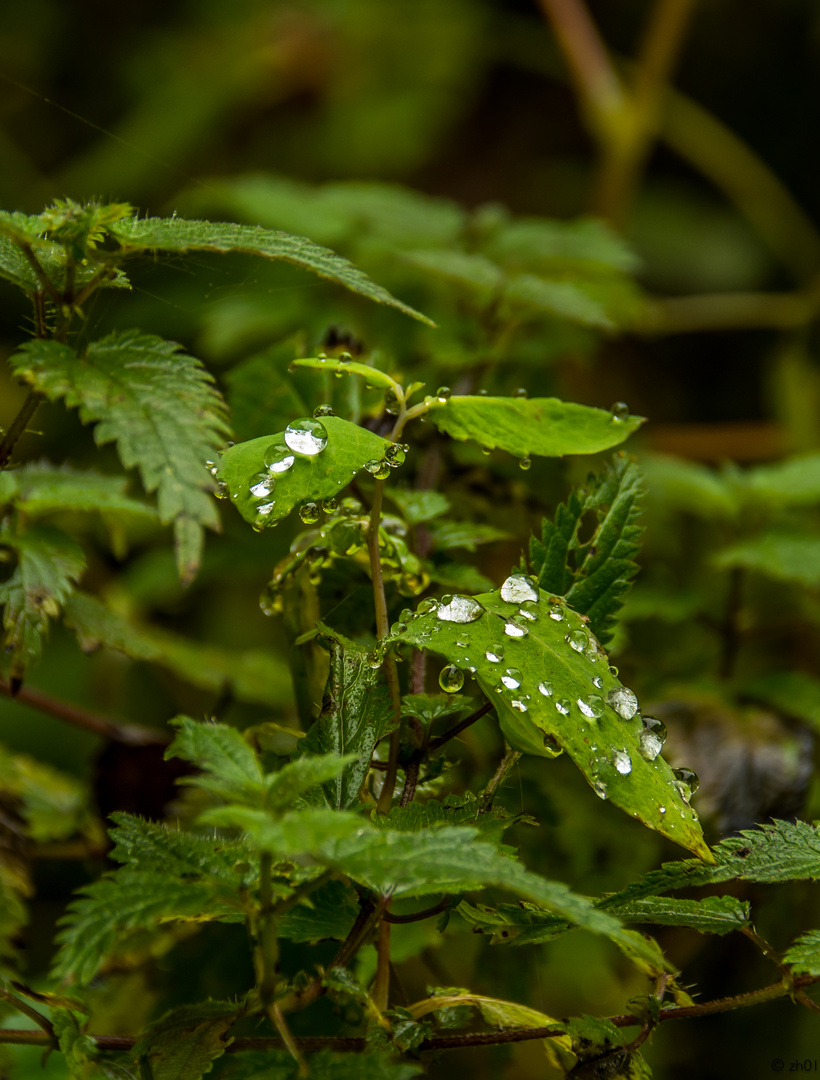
368	813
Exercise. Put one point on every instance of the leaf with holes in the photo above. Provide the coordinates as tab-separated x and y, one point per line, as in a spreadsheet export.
536	661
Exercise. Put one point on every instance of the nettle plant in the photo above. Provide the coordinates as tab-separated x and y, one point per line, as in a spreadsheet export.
339	838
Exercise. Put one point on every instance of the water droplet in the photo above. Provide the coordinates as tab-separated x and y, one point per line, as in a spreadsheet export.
592	706
623	701
330	506
495	654
661	809
309	513
459	609
563	705
620	411
519	705
427	606
545	688
512	678
306	436
687	782
451	679
262	485
622	762
221	490
597	681
392	404
398	628
350	507
556	612
516	627
520	391
525	463
652	737
613	670
486	450
271	600
529	610
577	640
322	410
394	455
518	588
444	393
278	458
552	744
600	789
345	357
380	470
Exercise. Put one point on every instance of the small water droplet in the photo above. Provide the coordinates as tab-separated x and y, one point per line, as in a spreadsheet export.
221	490
597	681
577	640
306	436
622	762
451	679
278	458
613	670
322	410
592	706
271	600
552	744
398	628
262	485
525	463
309	513
459	609
563	705
345	357
600	789
556	612
519	704
330	506
545	688
620	411
485	450
529	610
495	654
516	627
512	678
426	606
444	393
520	392
623	701
518	588
661	809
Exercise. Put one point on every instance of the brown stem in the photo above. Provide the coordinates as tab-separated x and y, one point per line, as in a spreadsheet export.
440	740
18	426
42	276
417	916
129	734
507	762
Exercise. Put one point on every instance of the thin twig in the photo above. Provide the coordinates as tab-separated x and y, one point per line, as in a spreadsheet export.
417	916
18	426
440	740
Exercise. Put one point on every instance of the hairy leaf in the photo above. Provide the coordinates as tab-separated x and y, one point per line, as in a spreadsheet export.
593	574
548	679
524	426
48	565
231	768
184	1043
43	489
307	477
282	788
711	915
150	848
157	404
328	912
251	674
803	956
356	713
179	235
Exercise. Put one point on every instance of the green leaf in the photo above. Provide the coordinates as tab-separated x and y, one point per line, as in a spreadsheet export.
779	555
687	486
150	848
476	272
43	489
293	834
803	956
157	404
419	506
48	563
232	770
260	394
53	804
324	1065
78	1049
794	482
282	788
184	1043
309	478
499	1014
328	912
711	915
570	300
586	245
593	574
793	693
346	367
178	235
466	535
356	714
254	675
525	426
552	690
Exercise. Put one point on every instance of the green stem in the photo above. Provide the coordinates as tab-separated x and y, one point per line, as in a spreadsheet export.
22	1006
42	276
18	426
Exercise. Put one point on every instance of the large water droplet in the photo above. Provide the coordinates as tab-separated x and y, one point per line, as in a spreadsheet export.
221	491
262	485
306	436
380	470
577	640
525	463
459	609
687	782
529	610
444	393
622	762
652	737
309	513
394	455
278	458
591	706
451	679
512	678
516	627
563	705
495	654
545	688
330	506
623	701
518	588
620	411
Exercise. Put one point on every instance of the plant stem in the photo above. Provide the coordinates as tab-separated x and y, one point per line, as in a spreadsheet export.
507	762
381	985
18	426
42	276
440	740
27	1010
